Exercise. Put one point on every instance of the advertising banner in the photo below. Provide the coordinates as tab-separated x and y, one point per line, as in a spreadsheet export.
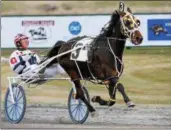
159	29
45	31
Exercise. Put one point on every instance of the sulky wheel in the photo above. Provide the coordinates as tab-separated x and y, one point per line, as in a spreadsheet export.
15	111
78	110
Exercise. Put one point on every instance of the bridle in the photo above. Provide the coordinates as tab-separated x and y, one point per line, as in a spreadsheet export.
124	29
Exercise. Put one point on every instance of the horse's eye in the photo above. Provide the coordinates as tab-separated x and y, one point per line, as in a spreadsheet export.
138	22
127	22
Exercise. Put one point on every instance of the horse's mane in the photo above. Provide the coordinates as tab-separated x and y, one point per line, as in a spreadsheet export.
107	32
76	38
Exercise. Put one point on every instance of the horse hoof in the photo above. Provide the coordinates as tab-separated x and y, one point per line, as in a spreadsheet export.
95	99
94	114
111	103
130	104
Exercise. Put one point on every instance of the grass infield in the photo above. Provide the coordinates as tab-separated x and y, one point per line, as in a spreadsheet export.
146	77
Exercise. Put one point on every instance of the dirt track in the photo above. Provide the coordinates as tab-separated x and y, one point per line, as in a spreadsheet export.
118	116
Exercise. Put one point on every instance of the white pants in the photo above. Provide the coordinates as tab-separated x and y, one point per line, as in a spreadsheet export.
54	70
49	72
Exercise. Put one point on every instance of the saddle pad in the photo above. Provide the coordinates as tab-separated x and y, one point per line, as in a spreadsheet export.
81	54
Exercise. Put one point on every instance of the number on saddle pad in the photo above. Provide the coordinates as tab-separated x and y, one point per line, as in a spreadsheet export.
82	53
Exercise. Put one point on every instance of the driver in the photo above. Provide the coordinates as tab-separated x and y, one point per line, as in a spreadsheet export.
22	59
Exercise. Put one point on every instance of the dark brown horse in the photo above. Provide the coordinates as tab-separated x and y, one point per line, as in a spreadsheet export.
106	54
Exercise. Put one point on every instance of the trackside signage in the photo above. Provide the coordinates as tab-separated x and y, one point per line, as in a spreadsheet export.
45	31
38	31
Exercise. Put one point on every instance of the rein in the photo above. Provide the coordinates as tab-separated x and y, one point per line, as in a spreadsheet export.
110	38
115	57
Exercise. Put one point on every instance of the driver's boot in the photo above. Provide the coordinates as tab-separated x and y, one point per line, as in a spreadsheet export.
41	73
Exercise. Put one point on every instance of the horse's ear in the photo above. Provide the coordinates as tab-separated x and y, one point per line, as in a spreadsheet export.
121	10
129	10
121	7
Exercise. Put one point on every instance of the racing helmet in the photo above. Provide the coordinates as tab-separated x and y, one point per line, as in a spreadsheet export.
17	40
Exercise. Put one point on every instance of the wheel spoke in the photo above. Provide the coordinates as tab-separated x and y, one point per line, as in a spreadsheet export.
83	109
20	98
11	110
17	116
83	104
73	109
78	110
76	113
81	113
10	106
19	107
9	101
19	103
17	112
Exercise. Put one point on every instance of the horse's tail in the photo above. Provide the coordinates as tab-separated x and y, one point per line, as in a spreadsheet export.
54	51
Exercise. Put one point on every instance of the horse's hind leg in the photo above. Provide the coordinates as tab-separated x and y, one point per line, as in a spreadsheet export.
70	68
79	91
80	95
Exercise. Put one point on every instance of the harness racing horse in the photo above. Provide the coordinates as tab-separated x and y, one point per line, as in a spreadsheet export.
106	62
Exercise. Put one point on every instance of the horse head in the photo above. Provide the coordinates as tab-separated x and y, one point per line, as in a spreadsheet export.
129	24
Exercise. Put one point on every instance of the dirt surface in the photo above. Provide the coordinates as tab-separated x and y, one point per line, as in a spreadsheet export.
118	117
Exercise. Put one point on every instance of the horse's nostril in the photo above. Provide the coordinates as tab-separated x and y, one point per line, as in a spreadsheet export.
137	38
140	39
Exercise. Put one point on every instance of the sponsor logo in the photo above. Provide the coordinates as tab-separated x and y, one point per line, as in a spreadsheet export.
38	31
74	28
13	60
159	29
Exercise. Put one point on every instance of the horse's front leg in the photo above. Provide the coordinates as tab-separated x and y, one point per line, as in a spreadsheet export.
112	93
121	89
114	85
